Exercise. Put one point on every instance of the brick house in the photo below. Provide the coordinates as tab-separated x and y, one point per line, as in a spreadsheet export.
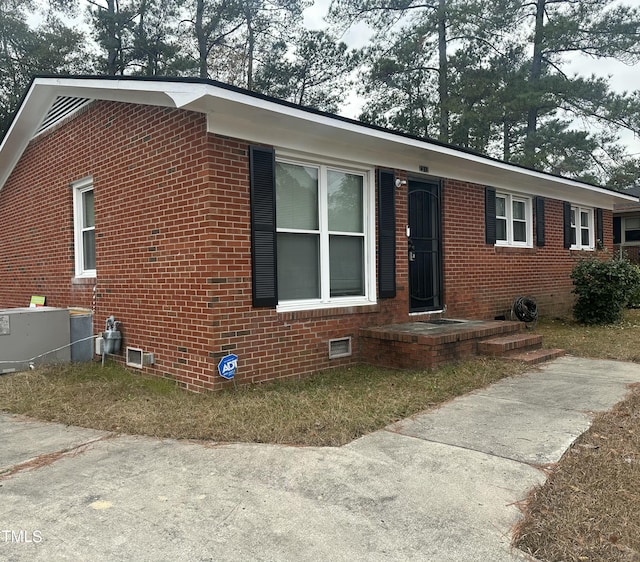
626	227
210	220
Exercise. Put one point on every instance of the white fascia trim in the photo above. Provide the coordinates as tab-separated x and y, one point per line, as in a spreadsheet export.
203	97
349	126
22	128
44	91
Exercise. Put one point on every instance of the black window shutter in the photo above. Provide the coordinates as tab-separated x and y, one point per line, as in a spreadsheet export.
599	229
263	227
490	215
617	230
386	234
539	221
567	224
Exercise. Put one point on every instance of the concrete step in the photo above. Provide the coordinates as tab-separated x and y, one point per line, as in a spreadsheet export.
534	356
498	346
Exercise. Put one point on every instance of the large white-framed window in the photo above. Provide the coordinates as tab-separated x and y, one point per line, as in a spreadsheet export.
84	228
325	235
514	220
582	229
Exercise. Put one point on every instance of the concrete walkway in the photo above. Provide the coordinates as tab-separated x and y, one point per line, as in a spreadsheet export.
442	486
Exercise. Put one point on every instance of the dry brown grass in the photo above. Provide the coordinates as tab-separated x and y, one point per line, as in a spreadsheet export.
589	508
617	341
331	408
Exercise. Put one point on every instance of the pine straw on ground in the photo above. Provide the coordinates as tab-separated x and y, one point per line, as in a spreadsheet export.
589	508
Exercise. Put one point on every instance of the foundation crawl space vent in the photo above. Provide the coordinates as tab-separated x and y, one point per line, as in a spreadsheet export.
339	348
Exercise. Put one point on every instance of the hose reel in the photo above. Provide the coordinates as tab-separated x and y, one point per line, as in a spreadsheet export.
524	309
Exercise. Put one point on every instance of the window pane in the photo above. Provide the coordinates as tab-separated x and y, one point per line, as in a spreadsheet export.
345	201
346	262
501	229
573	236
632	229
519	210
296	196
519	231
87	209
585	237
573	217
501	207
584	219
632	224
632	235
89	249
298	266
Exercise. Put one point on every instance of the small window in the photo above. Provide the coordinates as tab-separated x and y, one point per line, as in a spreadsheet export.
632	229
514	224
582	231
85	230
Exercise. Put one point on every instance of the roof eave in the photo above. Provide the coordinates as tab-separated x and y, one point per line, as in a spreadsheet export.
257	118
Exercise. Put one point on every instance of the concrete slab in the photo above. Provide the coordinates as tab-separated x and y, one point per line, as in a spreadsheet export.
447	489
505	428
24	439
532	418
608	371
592	389
142	499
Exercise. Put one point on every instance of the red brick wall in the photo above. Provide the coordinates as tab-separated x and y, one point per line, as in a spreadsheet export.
481	281
173	249
172	246
632	253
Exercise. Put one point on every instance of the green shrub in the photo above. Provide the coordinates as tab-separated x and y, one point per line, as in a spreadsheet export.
634	298
603	289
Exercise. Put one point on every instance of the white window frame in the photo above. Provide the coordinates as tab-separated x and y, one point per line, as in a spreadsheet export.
577	226
79	188
528	209
369	235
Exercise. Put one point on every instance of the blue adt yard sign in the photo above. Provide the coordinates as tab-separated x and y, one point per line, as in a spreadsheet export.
228	366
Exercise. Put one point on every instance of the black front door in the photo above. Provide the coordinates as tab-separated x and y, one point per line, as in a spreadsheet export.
425	259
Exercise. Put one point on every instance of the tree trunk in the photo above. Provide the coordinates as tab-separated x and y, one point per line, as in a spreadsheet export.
251	44
113	42
534	84
506	140
201	36
143	43
443	72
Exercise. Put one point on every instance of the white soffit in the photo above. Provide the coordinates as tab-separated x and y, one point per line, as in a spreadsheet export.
43	93
233	113
310	133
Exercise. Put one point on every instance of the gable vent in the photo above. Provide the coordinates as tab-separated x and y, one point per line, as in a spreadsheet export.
62	107
339	348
